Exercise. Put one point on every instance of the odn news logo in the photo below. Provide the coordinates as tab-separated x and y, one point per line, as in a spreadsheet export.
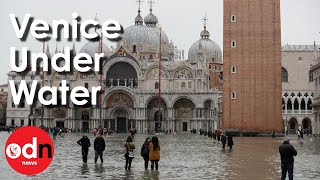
29	150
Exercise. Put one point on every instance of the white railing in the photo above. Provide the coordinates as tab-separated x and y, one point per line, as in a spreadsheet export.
309	111
297	112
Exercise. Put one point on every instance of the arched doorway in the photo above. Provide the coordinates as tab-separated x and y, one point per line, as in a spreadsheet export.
183	112
155	122
85	121
121	117
293	125
158	121
120	106
59	116
306	125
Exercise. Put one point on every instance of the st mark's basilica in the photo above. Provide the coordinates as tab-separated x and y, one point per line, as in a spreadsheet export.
190	89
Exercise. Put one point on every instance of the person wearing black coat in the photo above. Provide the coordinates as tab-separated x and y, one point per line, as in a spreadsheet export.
85	143
145	152
223	140
99	147
287	151
230	141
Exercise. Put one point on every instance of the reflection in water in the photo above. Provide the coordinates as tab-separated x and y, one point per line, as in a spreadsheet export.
183	156
84	169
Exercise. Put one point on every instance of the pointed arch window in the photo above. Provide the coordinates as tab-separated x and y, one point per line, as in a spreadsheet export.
310	76
309	105
284	75
85	115
296	104
303	104
156	85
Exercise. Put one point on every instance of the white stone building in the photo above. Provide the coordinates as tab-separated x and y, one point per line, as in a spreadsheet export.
316	102
131	82
298	87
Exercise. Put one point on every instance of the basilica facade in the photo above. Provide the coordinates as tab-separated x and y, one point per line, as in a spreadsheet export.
132	77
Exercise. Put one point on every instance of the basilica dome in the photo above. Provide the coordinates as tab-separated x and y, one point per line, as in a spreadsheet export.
210	49
145	38
93	47
151	19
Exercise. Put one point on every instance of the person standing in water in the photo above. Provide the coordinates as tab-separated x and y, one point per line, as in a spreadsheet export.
99	147
287	151
223	140
145	152
85	143
154	152
54	133
230	141
129	152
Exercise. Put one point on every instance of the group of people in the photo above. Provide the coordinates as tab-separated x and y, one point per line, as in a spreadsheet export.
218	136
150	150
99	146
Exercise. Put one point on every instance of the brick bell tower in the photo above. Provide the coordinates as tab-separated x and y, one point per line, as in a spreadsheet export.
252	66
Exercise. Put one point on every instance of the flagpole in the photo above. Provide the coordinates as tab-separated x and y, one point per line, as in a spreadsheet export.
42	84
159	87
100	119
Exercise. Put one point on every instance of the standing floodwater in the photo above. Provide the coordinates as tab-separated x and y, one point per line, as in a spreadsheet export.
183	156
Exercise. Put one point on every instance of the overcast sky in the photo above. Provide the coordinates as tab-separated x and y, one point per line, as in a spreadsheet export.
181	20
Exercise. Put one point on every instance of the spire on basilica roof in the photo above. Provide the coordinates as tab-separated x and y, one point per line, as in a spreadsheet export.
48	50
96	18
74	47
151	19
151	2
56	51
139	20
205	33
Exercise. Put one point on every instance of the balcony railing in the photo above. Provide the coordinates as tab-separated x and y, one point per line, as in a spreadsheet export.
297	112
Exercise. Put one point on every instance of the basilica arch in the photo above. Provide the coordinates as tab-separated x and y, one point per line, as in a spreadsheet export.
118	108
122	74
183	109
156	118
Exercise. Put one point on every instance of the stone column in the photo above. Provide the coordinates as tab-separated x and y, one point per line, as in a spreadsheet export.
111	85
299	102
125	82
215	125
131	83
197	125
118	82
